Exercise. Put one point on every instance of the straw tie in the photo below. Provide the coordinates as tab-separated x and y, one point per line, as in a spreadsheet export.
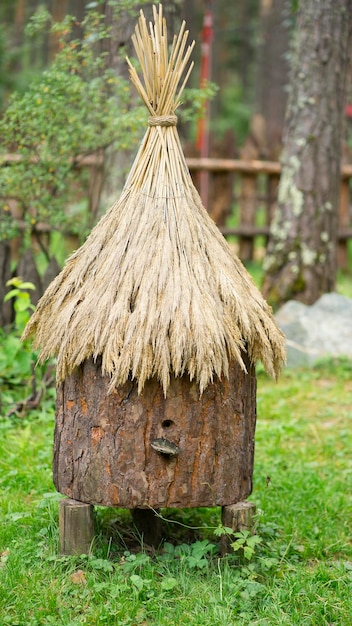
162	120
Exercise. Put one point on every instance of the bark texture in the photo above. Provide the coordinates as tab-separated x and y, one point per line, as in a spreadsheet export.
301	258
102	444
272	73
5	275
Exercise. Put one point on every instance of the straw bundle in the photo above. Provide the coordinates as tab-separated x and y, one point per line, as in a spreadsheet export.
155	289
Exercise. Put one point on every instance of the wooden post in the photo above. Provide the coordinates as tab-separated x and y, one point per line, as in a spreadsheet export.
272	191
237	517
76	523
148	525
247	215
343	224
221	183
221	195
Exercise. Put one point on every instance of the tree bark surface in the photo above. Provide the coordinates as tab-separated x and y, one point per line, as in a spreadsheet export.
5	275
103	450
272	73
301	257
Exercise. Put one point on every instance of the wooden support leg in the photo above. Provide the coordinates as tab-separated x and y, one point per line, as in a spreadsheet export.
148	525
237	517
76	524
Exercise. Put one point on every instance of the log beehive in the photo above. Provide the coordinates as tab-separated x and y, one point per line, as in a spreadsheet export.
156	326
103	449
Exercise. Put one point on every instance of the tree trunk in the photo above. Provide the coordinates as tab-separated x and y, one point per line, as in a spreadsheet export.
27	271
301	257
5	275
272	75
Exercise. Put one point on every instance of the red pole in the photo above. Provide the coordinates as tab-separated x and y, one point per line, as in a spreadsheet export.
202	142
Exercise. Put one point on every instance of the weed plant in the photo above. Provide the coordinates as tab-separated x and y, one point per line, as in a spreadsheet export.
298	570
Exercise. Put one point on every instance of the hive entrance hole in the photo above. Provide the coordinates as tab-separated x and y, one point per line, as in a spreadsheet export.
167	423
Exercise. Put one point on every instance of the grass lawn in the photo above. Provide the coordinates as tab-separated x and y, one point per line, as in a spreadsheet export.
300	572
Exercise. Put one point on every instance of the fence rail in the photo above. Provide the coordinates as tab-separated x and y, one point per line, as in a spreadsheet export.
252	184
249	196
247	167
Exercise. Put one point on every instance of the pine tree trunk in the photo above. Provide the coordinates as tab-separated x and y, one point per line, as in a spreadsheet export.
301	258
272	74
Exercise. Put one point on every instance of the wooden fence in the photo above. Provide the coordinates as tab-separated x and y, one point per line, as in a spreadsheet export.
249	185
255	185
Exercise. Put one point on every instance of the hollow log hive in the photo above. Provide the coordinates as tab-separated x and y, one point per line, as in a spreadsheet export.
103	450
156	327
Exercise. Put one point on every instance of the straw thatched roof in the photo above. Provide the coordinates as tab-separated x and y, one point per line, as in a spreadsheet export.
155	289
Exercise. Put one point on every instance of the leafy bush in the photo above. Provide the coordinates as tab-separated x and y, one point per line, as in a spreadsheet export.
78	107
22	385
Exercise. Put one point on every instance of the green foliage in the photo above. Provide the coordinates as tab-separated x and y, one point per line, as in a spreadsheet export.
193	101
193	106
76	108
18	376
246	542
5	80
193	556
13	54
235	113
22	305
16	360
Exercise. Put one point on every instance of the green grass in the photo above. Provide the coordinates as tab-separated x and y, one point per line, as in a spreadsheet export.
300	573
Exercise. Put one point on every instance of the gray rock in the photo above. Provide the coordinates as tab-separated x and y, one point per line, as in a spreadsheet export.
312	332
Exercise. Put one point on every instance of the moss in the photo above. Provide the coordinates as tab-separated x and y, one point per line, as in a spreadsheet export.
308	255
299	284
274	298
279	293
288	190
